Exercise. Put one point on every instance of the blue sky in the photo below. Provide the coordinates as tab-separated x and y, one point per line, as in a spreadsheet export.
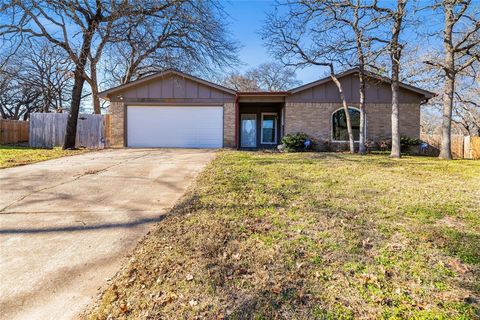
246	20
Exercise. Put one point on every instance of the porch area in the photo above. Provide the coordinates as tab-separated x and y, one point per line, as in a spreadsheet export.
260	119
260	125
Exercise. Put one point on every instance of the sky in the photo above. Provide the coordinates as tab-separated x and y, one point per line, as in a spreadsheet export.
246	20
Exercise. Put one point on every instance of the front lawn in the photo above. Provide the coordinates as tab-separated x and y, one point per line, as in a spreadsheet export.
311	236
11	156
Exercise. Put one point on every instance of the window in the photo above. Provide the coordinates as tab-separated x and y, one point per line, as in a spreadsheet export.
339	124
269	128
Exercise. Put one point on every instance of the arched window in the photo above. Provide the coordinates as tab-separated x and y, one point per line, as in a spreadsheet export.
339	124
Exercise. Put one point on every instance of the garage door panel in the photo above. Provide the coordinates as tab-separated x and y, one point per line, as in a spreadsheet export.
185	127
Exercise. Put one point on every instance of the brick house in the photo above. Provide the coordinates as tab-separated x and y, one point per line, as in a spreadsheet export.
174	109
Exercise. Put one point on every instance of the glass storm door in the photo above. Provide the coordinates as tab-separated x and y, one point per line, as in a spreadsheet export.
248	131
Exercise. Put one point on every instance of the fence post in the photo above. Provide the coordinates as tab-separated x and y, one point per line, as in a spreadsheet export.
475	147
467	147
108	128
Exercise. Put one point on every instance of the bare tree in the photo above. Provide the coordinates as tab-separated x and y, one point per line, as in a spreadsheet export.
396	18
461	48
37	78
72	26
345	108
466	110
395	55
269	76
189	35
360	42
241	82
48	69
354	23
300	38
17	99
274	77
94	57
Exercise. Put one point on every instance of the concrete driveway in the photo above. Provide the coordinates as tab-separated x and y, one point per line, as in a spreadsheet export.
66	224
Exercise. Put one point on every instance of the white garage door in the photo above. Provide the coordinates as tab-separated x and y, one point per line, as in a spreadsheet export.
180	127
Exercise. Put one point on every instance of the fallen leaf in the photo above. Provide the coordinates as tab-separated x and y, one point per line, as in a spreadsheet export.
189	277
458	266
123	307
193	302
277	289
169	298
366	244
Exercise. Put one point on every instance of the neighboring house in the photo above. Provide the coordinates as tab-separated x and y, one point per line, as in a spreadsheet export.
174	109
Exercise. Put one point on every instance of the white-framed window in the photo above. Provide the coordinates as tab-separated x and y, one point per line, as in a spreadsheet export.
269	128
339	124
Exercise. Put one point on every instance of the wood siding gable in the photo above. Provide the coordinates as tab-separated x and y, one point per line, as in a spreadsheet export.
377	91
171	87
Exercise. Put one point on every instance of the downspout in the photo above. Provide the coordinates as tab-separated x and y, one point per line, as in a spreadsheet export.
236	122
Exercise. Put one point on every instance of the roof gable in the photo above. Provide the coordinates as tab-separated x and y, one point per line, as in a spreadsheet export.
426	94
144	84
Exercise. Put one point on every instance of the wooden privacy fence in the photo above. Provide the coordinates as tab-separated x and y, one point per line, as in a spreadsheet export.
13	131
48	130
463	147
475	147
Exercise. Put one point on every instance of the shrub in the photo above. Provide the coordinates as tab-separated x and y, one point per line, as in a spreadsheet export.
406	142
296	141
385	144
370	145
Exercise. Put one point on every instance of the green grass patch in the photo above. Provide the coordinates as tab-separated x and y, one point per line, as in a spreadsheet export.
311	236
461	244
11	156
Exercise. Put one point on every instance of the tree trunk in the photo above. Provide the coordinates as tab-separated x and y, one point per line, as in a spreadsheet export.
15	114
79	80
395	153
361	145
351	142
359	41
94	87
449	89
127	77
46	103
96	102
395	55
445	148
71	132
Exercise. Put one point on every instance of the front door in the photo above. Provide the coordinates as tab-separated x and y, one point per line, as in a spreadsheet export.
248	131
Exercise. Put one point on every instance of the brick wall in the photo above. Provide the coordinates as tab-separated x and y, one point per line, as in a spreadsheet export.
379	121
229	124
117	138
315	119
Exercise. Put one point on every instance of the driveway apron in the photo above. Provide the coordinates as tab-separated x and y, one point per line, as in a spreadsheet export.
67	224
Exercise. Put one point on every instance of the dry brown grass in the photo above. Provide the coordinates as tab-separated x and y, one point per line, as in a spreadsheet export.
311	236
